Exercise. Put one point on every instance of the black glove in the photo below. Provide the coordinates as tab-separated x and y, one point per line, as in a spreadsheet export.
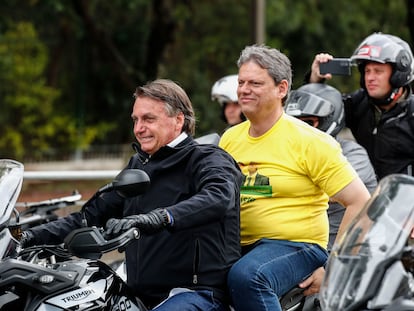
27	239
151	222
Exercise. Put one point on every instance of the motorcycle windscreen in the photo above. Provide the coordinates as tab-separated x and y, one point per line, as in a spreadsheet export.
376	237
11	178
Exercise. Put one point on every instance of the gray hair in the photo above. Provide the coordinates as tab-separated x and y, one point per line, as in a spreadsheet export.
275	62
175	99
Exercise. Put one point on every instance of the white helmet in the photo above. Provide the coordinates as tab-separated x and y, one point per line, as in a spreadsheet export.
225	89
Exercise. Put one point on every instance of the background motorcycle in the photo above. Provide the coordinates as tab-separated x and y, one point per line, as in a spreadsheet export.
73	284
372	267
36	213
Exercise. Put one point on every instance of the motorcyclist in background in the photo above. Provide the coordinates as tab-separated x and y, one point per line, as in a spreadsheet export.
381	113
321	106
224	91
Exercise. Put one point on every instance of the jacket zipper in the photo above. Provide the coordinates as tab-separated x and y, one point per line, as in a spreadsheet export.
196	261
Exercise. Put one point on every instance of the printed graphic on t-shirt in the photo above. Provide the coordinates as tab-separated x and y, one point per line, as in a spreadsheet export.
254	184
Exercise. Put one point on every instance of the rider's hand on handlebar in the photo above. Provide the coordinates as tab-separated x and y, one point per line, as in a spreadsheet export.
27	239
151	222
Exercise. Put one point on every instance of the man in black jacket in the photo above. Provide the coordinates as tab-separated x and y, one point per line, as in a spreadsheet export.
189	217
381	114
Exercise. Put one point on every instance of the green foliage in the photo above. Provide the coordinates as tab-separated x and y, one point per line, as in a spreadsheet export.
302	29
30	123
217	37
69	68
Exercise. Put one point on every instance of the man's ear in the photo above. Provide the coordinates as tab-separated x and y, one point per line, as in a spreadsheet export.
180	120
283	88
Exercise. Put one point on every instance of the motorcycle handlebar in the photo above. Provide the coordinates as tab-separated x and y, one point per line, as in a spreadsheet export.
90	243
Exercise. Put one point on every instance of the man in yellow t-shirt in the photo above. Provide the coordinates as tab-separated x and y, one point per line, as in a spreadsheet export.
284	224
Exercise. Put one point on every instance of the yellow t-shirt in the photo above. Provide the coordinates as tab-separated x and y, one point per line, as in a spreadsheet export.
299	167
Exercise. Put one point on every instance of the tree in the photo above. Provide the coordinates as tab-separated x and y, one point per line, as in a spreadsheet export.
96	52
30	124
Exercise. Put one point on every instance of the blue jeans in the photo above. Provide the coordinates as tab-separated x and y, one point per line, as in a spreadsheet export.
269	270
200	300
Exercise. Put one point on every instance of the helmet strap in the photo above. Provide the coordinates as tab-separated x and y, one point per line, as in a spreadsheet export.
394	95
331	128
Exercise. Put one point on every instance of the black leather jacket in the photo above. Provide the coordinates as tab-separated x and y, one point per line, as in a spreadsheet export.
387	136
199	185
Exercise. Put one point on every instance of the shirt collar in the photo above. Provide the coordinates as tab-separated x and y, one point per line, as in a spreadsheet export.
178	140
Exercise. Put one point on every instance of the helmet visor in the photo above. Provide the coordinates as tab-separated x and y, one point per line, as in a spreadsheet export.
301	103
222	100
368	52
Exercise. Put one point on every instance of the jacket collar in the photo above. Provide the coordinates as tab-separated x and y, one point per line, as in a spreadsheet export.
178	143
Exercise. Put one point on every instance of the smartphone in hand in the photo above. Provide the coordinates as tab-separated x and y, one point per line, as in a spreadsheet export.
336	66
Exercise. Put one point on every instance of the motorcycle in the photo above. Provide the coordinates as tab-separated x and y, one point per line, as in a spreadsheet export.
37	213
372	267
83	283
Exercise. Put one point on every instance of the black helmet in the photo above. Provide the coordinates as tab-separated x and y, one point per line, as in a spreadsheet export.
318	100
385	48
